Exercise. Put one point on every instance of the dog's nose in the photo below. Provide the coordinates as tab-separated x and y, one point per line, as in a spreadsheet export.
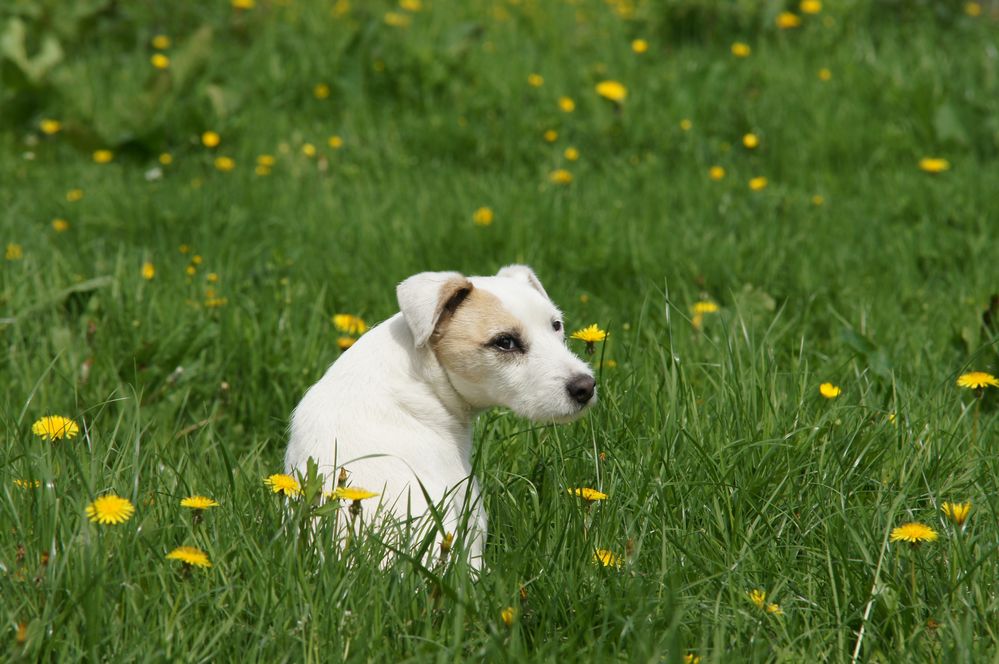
580	388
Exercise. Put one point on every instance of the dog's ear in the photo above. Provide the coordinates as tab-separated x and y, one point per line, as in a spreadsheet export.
426	297
525	274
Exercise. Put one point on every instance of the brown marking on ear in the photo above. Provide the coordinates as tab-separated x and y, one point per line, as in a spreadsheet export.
452	294
462	338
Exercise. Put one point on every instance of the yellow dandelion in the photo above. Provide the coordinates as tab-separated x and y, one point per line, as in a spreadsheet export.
774	609
309	150
190	270
148	271
612	90
758	183
741	50
691	658
758	597
716	173
397	20
686	124
810	6
28	484
818	200
830	391
551	136
161	42
335	142
507	615
566	104
571	154
560	176
751	141
55	427
956	512
934	164
286	484
590	334
103	156
343	343
74	195
825	74
639	46
321	91
788	20
159	61
977	380
351	493
411	5
243	4
190	555
224	164
166	158
50	126
587	494
110	510
266	160
483	216
535	80
607	558
973	8
349	324
198	502
210	139
14	252
914	533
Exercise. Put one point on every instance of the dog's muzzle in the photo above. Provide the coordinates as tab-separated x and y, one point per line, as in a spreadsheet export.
580	388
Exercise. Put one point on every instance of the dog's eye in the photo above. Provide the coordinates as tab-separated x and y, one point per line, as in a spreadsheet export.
557	325
506	343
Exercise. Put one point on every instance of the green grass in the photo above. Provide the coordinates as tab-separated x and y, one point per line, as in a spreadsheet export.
726	469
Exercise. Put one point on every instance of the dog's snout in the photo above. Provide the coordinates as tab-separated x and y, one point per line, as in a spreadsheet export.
580	388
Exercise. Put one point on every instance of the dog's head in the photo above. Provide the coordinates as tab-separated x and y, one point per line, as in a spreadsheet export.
501	341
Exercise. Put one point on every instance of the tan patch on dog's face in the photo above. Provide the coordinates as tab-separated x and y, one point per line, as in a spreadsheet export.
462	340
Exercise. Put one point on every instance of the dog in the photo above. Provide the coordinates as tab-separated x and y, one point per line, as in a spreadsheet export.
396	409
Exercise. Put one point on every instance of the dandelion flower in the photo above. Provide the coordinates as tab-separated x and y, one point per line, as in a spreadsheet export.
787	20
560	176
973	8
483	216
198	502
977	380
266	160
397	20
535	80
309	150
411	5
741	50
810	6
110	510
825	74
148	271
686	124
343	343
243	4
691	658
225	164
286	484
914	533
566	104
210	139
50	126
14	252
507	615
612	90
103	156
335	142
587	494
74	195
571	154
321	91
55	427
818	200
751	141
166	158
639	46
956	512
716	173
351	493
349	324
830	391
590	334
161	42
758	597
705	307
551	136
190	555
758	183
607	558
774	609
159	61
934	164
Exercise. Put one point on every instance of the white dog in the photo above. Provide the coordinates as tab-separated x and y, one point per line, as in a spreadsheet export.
396	409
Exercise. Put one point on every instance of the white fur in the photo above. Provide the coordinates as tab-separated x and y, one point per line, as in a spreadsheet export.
390	413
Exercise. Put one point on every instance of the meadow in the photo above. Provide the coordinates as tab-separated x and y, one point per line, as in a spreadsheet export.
754	198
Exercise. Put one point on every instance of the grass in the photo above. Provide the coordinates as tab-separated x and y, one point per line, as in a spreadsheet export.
726	470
